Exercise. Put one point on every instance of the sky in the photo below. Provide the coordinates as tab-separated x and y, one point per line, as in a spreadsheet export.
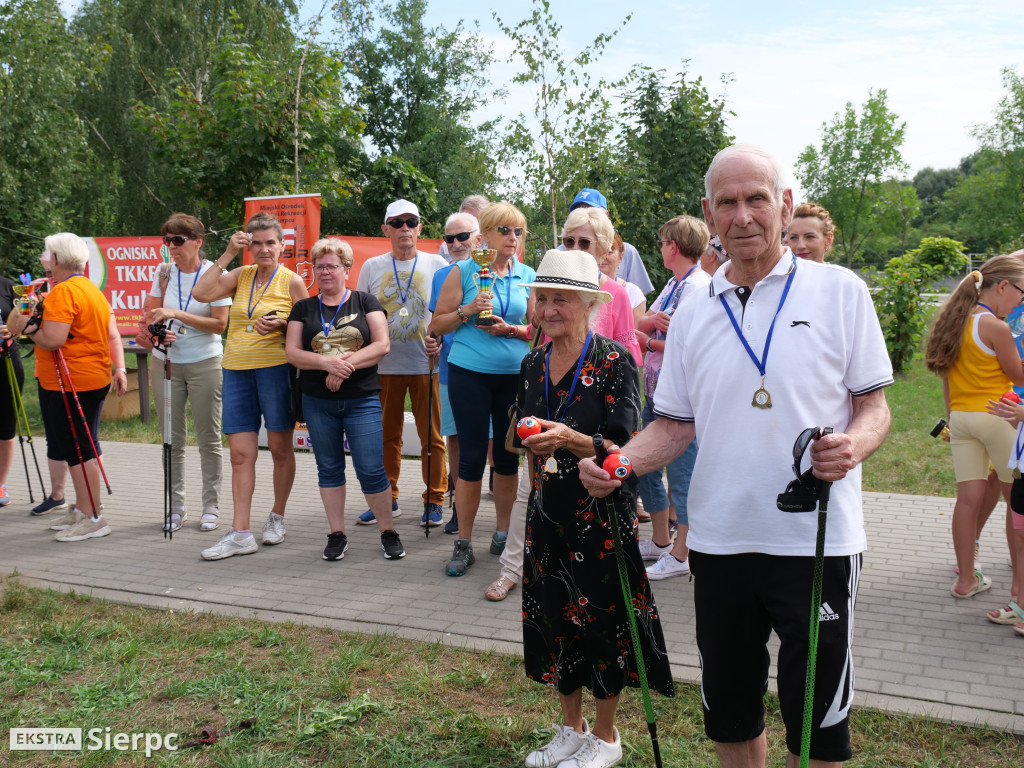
795	65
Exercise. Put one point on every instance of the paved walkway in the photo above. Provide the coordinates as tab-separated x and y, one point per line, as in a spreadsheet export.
918	650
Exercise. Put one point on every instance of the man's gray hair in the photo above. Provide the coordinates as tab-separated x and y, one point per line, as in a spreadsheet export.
471	220
780	174
474	203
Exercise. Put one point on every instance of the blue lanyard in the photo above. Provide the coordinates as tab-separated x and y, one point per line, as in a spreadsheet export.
194	281
408	286
668	299
1018	447
251	306
327	327
503	306
986	306
575	378
762	364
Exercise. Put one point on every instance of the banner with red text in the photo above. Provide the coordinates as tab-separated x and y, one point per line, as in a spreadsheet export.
300	219
123	268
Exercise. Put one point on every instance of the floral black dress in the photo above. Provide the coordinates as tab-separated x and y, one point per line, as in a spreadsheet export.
575	632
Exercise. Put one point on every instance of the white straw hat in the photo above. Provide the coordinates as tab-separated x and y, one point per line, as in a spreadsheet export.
570	271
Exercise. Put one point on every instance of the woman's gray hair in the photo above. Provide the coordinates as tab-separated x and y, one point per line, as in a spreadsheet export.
780	174
68	250
265	220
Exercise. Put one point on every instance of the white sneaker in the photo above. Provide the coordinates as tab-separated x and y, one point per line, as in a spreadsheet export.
564	745
72	517
667	566
651	551
230	545
595	753
87	528
273	529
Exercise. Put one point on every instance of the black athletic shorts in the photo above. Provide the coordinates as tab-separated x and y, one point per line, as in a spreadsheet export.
739	600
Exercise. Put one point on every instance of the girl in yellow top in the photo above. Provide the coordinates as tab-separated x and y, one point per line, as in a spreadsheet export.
256	380
971	347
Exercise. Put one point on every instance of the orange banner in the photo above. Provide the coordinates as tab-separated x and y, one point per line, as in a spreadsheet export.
300	218
123	268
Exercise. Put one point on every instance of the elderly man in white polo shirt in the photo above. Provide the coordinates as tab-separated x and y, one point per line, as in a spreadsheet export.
775	346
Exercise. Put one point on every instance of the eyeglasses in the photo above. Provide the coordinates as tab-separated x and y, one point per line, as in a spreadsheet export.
571	242
503	230
1021	301
461	237
399	223
176	240
321	268
663	243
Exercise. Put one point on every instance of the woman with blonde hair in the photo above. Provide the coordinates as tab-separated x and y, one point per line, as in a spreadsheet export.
811	232
972	349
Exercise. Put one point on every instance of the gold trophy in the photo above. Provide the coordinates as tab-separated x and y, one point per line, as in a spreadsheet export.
484	257
23	292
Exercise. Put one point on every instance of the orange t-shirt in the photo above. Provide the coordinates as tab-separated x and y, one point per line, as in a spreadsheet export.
79	303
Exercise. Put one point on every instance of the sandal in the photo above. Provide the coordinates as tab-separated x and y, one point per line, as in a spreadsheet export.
499	589
210	519
1019	629
1010	614
642	516
984	583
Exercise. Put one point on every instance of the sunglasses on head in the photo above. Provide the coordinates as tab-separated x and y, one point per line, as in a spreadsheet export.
399	223
503	230
571	242
177	240
461	237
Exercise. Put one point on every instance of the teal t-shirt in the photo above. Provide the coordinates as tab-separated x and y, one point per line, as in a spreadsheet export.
476	349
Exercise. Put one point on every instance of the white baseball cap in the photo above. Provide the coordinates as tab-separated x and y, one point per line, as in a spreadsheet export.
399	207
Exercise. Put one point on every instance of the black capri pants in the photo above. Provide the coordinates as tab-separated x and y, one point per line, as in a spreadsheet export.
60	445
8	414
478	399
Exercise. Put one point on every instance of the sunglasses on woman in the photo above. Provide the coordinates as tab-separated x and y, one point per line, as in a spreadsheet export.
176	240
461	237
503	230
399	223
571	242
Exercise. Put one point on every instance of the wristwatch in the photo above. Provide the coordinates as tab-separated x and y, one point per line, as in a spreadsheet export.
122	370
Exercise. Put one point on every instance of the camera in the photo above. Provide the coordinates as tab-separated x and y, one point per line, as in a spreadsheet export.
941	429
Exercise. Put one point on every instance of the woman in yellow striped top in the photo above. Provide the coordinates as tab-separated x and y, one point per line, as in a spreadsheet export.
255	374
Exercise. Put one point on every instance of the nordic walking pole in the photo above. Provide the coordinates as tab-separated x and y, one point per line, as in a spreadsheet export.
620	560
803	495
12	382
74	434
71	385
430	439
168	532
20	409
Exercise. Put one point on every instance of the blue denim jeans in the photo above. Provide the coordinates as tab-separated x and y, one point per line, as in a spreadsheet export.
330	422
652	490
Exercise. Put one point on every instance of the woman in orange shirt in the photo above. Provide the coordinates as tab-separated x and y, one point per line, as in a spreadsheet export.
78	324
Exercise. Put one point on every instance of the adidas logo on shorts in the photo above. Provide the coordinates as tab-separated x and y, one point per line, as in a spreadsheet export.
825	613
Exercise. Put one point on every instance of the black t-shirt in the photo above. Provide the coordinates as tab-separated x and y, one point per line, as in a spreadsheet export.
348	332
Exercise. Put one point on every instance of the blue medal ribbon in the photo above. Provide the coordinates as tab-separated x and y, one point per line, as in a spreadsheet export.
327	327
252	307
398	281
575	378
504	305
762	364
194	281
668	299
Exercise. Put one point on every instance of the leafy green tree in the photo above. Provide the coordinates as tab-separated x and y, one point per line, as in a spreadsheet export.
858	154
418	88
42	141
235	138
902	308
152	49
942	254
568	141
672	130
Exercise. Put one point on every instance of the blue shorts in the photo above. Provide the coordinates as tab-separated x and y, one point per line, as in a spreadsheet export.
259	392
360	420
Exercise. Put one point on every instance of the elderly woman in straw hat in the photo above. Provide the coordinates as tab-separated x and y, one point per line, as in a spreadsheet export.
575	633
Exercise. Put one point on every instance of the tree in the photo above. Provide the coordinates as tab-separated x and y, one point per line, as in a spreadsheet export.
569	142
672	130
418	89
235	137
42	141
858	153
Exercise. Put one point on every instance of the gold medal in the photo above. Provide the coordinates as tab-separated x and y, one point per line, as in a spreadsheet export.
403	312
761	397
326	347
1016	473
248	328
551	466
182	332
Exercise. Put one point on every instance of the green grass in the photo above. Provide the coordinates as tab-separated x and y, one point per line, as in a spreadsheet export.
911	460
316	697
